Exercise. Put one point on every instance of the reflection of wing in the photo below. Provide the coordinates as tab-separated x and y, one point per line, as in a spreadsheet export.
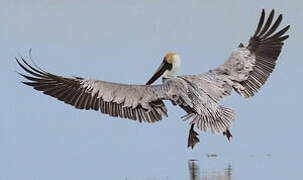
249	67
142	103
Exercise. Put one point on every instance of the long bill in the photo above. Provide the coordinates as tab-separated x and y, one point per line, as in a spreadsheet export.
162	68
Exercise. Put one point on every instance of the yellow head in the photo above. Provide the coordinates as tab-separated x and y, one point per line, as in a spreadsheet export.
169	57
175	61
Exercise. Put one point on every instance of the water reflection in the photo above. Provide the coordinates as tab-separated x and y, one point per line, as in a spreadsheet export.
193	169
208	174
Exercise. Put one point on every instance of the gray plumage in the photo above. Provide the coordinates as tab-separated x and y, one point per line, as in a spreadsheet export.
245	71
136	102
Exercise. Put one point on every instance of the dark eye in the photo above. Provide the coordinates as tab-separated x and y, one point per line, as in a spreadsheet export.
170	66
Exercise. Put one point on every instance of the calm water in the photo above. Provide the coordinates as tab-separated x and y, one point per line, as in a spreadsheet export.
256	166
196	173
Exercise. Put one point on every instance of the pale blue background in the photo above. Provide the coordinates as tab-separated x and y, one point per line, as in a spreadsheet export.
124	41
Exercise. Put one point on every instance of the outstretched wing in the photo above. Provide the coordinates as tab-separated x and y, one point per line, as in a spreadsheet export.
137	102
248	67
246	70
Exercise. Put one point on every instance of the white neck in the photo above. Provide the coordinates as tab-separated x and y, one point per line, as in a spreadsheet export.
175	67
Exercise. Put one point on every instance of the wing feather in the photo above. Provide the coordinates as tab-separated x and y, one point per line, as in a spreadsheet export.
268	23
136	102
261	21
248	68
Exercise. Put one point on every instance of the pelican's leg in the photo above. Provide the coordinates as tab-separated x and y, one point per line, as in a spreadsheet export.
192	137
227	134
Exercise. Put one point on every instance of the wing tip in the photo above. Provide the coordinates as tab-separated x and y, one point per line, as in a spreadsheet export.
265	30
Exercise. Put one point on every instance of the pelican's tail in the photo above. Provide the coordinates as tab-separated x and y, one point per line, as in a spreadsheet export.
217	122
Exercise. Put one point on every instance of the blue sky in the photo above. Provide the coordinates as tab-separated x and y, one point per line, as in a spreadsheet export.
124	41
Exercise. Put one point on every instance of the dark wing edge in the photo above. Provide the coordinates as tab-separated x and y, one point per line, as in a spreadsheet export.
72	91
248	67
266	46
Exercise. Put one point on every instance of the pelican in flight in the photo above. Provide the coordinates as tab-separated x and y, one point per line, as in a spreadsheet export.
245	71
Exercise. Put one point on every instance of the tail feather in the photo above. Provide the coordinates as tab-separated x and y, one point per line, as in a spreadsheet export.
217	122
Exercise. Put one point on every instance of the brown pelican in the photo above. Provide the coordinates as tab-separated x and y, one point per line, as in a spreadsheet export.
245	71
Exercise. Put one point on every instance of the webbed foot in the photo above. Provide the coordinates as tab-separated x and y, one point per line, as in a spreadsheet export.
227	134
192	137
